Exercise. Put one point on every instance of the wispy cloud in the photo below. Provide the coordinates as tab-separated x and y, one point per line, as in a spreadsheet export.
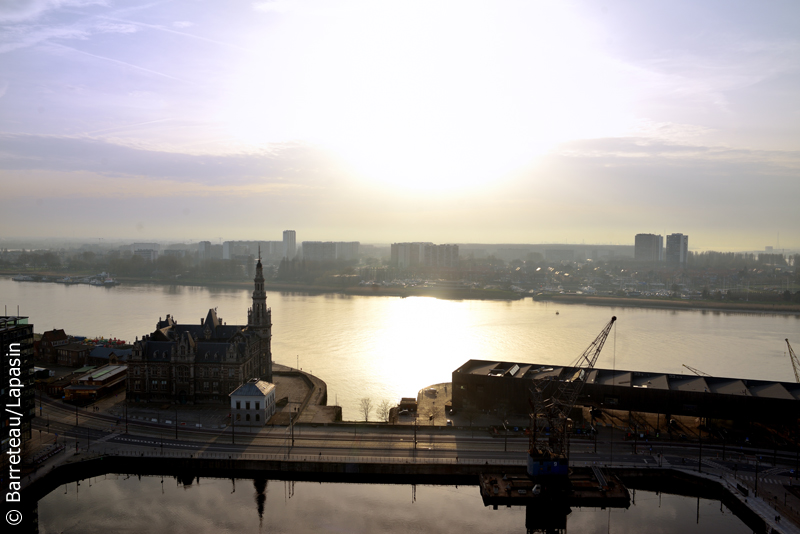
176	32
117	61
299	163
22	10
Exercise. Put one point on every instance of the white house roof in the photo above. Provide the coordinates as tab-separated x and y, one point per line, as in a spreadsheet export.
253	388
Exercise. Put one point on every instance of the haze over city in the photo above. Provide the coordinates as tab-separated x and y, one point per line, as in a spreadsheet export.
515	122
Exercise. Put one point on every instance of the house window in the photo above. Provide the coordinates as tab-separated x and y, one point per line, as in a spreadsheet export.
258	405
238	417
238	405
216	386
247	417
230	373
258	417
154	385
205	386
247	405
163	385
137	386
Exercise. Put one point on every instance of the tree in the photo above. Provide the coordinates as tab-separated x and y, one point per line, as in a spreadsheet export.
470	412
366	407
383	410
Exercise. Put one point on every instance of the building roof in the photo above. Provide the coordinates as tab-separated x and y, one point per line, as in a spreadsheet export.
105	372
252	388
106	352
54	335
637	379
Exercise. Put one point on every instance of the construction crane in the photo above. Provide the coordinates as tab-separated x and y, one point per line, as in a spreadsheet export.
698	372
553	399
795	362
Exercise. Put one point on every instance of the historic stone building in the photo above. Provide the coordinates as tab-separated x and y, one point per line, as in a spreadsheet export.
203	363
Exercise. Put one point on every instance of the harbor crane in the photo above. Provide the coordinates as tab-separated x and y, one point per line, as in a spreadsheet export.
698	372
553	399
795	361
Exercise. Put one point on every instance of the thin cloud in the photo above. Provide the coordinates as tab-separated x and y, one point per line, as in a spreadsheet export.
118	62
176	32
125	126
26	10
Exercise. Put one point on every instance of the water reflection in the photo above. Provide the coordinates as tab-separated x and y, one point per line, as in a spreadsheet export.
118	504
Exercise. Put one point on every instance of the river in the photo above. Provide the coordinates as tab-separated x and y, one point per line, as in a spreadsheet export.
390	347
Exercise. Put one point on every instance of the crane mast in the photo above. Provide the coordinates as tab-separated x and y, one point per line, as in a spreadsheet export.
795	362
552	400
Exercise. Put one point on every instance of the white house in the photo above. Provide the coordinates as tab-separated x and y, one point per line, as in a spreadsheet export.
253	403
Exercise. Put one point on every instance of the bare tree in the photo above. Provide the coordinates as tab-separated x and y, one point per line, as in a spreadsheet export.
366	407
383	410
471	413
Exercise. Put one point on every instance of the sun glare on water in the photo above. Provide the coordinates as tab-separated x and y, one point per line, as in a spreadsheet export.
435	95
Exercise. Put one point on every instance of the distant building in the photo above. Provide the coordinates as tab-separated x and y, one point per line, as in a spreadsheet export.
649	248
73	354
202	363
330	251
16	352
319	251
108	355
405	255
253	403
204	250
559	254
46	347
677	250
347	251
445	256
96	384
289	244
147	251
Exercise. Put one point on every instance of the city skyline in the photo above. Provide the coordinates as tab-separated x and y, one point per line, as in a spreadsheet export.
506	122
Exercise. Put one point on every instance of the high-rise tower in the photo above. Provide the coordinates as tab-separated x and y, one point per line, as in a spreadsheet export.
289	244
677	250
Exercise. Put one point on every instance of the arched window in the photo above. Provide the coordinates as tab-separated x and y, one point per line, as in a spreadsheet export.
247	417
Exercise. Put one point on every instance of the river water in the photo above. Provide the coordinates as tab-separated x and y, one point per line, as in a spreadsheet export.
154	505
390	347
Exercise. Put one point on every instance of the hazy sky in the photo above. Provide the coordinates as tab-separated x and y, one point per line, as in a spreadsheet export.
379	121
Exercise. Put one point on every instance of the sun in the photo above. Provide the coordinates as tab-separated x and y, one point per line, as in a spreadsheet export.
444	95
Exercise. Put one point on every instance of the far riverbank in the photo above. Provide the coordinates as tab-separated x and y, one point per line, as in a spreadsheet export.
466	294
670	303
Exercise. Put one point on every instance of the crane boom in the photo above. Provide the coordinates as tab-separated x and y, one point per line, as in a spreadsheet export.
556	406
795	362
698	372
